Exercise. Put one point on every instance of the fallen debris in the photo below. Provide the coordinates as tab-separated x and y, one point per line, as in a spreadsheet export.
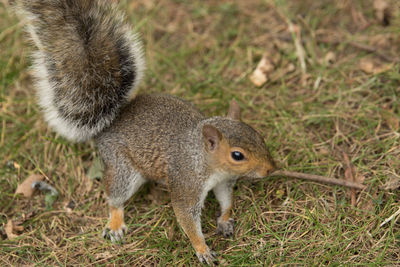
370	66
320	179
263	69
330	58
25	188
382	12
12	228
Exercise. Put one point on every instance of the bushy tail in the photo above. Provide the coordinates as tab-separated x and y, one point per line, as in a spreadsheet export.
87	65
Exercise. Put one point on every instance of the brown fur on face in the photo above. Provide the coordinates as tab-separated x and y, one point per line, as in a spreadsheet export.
257	162
222	160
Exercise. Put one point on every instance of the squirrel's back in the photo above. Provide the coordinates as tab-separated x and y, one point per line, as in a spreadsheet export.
87	65
150	130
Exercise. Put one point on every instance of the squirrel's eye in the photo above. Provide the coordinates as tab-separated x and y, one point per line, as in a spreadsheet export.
238	156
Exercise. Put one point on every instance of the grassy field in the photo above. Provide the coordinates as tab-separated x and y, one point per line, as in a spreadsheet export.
343	101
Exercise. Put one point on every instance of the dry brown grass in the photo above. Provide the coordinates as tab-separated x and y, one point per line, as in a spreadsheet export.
204	51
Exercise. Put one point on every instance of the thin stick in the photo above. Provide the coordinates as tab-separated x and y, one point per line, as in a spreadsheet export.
374	50
320	179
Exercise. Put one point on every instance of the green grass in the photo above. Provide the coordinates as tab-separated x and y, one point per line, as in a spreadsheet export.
204	51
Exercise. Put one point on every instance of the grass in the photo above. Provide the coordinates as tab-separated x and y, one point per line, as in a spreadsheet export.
204	51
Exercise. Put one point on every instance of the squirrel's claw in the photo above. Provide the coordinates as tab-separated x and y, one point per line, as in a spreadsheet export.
209	257
226	227
116	236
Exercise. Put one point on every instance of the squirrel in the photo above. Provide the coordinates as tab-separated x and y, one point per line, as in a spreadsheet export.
87	67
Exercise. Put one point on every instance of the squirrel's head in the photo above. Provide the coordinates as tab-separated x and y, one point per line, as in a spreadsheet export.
235	147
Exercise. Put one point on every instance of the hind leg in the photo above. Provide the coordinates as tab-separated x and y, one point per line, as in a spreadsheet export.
120	186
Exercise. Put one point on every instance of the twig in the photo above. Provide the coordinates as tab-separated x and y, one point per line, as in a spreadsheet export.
361	46
320	179
373	50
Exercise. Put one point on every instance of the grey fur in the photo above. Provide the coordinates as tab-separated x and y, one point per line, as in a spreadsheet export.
160	138
87	66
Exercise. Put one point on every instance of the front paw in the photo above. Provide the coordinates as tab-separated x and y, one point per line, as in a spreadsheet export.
208	257
225	227
116	236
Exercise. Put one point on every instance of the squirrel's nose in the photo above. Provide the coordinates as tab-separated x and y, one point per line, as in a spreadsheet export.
267	169
270	168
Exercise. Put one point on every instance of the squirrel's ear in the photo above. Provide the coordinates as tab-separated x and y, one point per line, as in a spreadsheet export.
212	137
234	110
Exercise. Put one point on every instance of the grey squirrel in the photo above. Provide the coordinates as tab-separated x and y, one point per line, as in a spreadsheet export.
87	69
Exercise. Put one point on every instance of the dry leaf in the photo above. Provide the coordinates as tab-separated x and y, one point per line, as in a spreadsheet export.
383	68
264	67
371	67
366	65
149	4
290	68
11	228
13	165
382	11
330	58
26	188
17	166
392	184
391	119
